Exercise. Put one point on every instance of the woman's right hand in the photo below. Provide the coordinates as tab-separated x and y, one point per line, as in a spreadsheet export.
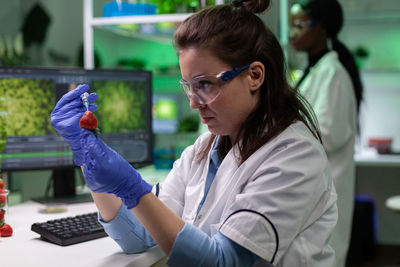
66	115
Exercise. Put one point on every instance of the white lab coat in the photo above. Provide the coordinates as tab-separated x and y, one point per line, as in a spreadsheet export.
330	92
280	203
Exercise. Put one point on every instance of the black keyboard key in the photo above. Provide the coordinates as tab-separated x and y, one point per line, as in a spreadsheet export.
70	230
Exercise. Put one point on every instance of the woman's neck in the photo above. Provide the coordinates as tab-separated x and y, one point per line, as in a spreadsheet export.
314	58
317	48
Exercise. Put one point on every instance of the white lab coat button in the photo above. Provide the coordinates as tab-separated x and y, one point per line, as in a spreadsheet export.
199	217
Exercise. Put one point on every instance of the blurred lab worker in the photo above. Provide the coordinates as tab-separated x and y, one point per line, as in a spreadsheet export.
255	190
331	84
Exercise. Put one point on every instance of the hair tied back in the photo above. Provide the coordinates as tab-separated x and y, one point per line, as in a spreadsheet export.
238	3
253	6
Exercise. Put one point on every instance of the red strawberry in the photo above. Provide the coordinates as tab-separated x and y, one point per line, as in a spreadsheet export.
6	230
1	184
2	212
3	198
88	121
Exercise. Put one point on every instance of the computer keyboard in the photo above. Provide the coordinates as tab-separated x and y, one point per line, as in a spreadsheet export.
70	230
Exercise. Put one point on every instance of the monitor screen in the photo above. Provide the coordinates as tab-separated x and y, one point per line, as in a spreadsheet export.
124	114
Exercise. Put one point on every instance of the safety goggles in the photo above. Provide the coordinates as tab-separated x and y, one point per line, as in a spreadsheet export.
206	88
298	25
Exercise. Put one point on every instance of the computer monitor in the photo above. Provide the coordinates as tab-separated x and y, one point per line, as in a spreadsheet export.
124	118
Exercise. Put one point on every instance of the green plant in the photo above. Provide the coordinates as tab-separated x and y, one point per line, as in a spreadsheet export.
176	6
11	51
361	52
3	132
189	124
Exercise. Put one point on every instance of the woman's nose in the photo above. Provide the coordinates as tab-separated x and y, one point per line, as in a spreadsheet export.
195	102
293	32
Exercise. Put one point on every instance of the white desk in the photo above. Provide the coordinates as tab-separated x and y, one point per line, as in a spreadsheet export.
25	248
377	160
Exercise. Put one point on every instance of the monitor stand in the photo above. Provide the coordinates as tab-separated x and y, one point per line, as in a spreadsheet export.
63	181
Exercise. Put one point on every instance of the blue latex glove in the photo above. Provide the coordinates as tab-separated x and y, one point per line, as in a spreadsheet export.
106	171
66	115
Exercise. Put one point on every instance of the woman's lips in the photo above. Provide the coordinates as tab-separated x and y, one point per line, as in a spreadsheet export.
294	43
205	120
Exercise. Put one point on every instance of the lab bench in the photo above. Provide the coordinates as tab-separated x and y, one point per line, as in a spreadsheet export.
378	176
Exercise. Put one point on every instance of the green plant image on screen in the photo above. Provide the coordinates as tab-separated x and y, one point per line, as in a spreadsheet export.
121	106
29	103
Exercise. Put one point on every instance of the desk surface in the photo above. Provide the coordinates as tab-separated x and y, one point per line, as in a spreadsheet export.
25	248
377	160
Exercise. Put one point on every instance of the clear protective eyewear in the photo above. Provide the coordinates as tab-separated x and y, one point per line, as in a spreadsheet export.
205	88
299	25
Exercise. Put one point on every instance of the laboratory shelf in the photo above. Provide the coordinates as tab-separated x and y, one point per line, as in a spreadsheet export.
372	17
90	22
139	19
157	36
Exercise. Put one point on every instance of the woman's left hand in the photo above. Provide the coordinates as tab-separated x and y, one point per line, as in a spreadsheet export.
106	171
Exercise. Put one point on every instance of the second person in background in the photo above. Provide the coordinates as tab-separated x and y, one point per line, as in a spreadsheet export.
332	85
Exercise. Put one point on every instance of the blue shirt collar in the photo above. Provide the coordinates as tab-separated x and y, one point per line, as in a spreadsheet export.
215	158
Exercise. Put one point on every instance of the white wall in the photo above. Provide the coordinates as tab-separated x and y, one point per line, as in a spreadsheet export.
64	34
380	110
10	15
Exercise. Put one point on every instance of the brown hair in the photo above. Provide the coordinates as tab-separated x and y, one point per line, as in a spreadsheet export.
236	36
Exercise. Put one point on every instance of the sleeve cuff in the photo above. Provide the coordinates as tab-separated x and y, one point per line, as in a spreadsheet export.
127	231
193	247
188	243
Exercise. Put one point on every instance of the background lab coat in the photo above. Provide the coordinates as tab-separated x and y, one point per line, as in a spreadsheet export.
280	203
330	92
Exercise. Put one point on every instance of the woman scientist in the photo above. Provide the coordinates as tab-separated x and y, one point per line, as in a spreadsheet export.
254	190
332	86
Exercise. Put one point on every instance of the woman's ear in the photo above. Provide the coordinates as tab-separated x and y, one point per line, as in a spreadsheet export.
256	75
